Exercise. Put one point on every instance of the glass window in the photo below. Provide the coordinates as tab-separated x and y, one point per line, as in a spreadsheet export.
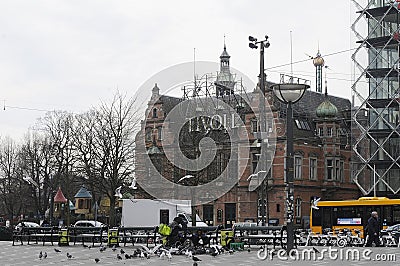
254	125
298	161
316	217
347	215
148	134
396	214
160	133
329	132
313	169
326	217
321	131
255	157
298	207
155	113
337	169
329	169
341	171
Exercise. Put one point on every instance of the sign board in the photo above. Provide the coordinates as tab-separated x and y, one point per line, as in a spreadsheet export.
349	221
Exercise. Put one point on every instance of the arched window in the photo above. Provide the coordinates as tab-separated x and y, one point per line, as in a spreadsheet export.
155	113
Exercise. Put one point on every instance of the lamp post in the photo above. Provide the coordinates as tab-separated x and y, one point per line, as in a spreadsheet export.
289	93
254	44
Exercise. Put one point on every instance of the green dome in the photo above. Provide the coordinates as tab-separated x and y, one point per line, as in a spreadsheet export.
326	110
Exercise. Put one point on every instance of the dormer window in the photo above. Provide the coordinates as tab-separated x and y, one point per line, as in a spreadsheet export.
329	132
321	131
155	113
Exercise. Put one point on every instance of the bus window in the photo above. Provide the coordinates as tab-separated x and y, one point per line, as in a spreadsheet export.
316	217
387	217
347	215
396	214
326	217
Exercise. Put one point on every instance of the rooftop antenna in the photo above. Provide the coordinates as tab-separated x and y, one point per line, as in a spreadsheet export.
194	71
326	82
291	56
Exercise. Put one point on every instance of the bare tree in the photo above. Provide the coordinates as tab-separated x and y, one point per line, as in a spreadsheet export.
106	146
10	178
58	171
36	159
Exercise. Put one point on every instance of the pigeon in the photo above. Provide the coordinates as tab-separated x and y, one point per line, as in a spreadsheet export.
122	251
214	254
133	185
114	248
118	192
85	246
69	256
127	256
45	255
40	255
169	256
103	248
195	264
162	255
189	253
97	260
154	250
57	250
231	251
119	257
248	250
196	258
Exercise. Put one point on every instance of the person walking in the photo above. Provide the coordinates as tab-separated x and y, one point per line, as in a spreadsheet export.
373	230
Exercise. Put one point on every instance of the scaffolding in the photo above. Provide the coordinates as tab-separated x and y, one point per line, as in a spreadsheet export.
376	98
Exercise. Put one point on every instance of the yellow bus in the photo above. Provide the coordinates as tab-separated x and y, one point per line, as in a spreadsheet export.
353	214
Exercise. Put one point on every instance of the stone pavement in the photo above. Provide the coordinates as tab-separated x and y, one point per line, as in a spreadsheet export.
28	255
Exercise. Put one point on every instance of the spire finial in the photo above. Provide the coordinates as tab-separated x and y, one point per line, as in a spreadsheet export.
224	42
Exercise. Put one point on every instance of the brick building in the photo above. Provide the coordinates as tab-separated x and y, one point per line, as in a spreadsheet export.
322	159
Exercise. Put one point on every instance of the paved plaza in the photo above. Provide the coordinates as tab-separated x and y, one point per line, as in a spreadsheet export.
29	255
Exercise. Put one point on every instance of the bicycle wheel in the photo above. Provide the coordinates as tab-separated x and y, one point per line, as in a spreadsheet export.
342	243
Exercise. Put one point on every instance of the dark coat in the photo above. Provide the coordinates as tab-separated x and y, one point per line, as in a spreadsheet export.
373	226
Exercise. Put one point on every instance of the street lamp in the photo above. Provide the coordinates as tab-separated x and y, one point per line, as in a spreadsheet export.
289	93
254	44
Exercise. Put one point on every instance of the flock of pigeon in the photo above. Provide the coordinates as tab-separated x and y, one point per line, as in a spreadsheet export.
160	251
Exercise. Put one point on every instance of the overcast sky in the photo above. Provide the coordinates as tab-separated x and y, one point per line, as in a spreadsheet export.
71	55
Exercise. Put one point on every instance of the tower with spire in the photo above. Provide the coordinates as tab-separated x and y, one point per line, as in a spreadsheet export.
225	82
318	62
